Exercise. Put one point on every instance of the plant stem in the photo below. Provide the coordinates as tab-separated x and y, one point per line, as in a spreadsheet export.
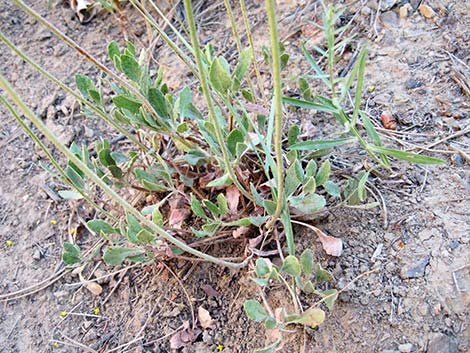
252	47
207	95
276	67
4	84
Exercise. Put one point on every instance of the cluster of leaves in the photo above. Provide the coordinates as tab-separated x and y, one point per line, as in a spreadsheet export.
307	276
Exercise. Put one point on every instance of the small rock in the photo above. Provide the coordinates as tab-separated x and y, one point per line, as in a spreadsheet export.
413	83
386	5
457	159
37	254
46	102
416	270
442	343
454	244
405	348
101	273
426	11
43	35
61	294
88	133
405	10
390	19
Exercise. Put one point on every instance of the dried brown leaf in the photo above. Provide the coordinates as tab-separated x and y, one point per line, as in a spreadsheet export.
233	198
205	318
177	217
332	246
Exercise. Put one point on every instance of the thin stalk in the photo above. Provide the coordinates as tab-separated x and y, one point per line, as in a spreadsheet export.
71	43
5	85
252	47
236	36
207	95
51	158
173	28
276	67
173	46
78	97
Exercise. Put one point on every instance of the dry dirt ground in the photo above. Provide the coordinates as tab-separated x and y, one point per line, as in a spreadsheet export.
418	298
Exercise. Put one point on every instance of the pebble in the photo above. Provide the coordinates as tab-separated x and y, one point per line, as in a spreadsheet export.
413	83
386	5
426	11
37	255
416	270
442	343
405	348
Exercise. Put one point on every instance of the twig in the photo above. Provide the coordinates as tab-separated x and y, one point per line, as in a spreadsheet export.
346	286
185	292
30	290
115	287
77	344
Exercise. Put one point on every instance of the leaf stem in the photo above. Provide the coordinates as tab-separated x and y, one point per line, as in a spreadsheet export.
276	69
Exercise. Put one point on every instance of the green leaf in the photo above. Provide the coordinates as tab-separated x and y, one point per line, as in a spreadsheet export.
361	62
158	102
361	186
113	50
291	265
270	323
212	207
254	310
131	68
70	195
315	66
309	105
98	226
115	255
196	207
292	180
224	180
241	69
308	288
248	95
233	139
312	317
332	189
308	203
322	275
123	102
145	237
258	221
320	144
149	181
262	282
71	253
332	295
311	169
306	261
407	156
84	85
219	75
323	173
310	186
293	134
222	204
262	268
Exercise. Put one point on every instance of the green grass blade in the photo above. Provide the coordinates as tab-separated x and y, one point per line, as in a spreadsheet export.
407	156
